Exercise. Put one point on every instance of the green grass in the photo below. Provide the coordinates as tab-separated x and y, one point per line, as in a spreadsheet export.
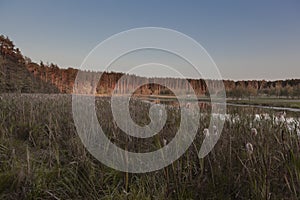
274	102
42	157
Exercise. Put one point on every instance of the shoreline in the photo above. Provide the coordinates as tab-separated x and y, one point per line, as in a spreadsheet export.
254	101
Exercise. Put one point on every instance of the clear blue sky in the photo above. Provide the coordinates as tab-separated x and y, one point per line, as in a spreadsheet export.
246	39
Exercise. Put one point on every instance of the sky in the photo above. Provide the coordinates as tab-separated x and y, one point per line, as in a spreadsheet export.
246	39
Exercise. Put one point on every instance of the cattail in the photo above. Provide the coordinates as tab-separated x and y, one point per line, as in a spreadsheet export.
249	148
206	132
253	131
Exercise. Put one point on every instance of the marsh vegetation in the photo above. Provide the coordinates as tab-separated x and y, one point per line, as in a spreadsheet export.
42	157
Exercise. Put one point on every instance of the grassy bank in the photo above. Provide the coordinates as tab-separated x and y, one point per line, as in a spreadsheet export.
273	102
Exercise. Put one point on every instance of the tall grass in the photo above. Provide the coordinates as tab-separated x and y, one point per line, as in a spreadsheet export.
42	157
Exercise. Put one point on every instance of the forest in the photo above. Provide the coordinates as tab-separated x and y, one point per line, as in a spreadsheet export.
19	74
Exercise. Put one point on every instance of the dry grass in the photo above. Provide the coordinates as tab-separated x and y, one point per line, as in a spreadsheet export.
41	157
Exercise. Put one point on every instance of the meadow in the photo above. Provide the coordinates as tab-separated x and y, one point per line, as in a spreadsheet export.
42	157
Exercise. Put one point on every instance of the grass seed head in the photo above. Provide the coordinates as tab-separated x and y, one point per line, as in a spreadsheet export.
206	132
249	148
253	131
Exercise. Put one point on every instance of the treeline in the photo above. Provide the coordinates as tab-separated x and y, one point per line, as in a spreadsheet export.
120	83
14	75
286	89
64	80
19	74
